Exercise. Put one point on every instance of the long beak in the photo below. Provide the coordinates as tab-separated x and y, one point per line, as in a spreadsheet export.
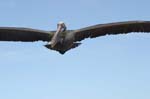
58	29
55	38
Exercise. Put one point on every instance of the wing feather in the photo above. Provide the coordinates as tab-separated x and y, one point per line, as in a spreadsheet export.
24	34
112	28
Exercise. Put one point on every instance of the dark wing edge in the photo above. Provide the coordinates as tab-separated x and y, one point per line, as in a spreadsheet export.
111	28
24	34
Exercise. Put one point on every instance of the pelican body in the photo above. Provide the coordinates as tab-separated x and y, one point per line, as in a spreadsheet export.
63	40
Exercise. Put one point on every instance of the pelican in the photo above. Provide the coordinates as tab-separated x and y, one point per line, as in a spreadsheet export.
63	40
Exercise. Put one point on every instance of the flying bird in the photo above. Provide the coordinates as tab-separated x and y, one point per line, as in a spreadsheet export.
63	40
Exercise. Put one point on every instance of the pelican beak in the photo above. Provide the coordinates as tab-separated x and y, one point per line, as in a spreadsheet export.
59	29
56	36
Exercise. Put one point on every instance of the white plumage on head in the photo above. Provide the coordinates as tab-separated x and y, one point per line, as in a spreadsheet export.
61	22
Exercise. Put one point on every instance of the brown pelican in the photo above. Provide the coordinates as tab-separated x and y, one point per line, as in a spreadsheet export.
63	40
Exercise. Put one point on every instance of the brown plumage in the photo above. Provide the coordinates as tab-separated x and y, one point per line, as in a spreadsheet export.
112	29
24	34
67	39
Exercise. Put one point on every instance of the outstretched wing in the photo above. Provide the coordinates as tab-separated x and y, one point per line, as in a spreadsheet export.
111	28
24	34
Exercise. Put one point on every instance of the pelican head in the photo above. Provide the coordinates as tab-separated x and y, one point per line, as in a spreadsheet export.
61	25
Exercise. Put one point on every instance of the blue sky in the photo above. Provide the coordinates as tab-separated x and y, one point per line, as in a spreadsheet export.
109	67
